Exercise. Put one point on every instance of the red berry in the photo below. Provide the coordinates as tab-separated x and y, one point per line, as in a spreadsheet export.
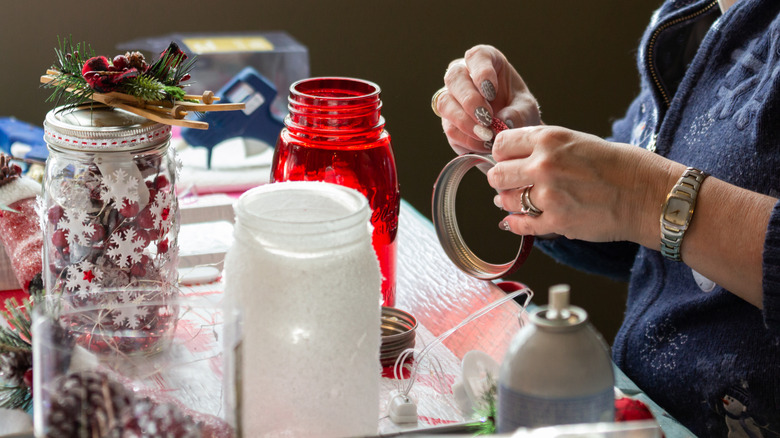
161	182
28	378
99	234
142	236
162	246
138	270
152	194
121	62
153	233
145	219
60	238
129	209
55	213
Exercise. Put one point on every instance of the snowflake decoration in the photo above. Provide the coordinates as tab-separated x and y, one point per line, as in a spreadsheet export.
128	311
81	276
74	221
119	186
126	248
161	211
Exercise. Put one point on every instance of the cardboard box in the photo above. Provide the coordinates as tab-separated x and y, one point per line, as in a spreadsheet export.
275	55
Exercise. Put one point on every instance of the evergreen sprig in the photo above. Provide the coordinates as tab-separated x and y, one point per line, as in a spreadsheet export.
70	87
16	338
488	408
15	397
145	88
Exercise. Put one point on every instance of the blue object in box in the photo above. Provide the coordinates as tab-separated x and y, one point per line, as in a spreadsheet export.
255	121
13	131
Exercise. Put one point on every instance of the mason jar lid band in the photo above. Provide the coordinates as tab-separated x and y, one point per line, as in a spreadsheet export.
158	135
446	224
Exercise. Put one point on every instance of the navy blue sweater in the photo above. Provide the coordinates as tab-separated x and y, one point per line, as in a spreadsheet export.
710	98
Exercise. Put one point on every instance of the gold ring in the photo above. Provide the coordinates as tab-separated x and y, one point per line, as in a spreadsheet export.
435	99
528	207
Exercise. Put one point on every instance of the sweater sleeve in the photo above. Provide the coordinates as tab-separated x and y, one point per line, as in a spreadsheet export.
612	259
771	269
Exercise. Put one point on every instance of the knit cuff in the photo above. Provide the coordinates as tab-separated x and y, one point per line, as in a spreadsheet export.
771	270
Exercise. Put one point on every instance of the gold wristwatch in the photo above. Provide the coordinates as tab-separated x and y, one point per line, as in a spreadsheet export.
678	211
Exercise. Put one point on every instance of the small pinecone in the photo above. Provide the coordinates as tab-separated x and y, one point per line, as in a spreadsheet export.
87	404
13	365
136	60
148	419
8	171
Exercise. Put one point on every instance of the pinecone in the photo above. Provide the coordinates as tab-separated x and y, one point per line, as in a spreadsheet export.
87	404
136	60
13	365
148	419
8	171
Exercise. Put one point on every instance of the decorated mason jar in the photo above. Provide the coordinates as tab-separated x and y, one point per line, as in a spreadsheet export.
110	215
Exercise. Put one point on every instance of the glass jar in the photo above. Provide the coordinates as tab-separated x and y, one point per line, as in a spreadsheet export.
110	218
335	132
303	284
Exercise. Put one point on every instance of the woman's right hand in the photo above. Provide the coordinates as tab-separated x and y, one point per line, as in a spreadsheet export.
480	86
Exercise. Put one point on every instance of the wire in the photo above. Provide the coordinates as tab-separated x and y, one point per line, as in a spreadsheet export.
399	363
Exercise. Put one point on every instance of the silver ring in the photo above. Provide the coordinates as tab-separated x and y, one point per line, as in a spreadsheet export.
528	207
446	224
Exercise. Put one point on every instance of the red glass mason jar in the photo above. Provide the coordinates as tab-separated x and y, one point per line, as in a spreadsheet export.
335	132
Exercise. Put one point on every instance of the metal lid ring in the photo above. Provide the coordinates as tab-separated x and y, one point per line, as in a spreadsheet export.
446	224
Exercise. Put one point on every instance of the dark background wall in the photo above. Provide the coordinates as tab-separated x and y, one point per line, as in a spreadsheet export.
576	56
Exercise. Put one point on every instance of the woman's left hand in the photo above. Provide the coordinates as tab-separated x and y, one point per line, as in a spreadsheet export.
587	187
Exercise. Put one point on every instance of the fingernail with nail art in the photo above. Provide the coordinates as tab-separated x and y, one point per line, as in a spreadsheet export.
484	134
483	116
488	90
509	123
504	225
488	145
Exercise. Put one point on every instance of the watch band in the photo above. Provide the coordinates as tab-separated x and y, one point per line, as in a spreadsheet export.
678	211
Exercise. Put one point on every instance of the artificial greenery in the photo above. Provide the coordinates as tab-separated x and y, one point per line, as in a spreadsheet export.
71	87
487	409
128	74
14	339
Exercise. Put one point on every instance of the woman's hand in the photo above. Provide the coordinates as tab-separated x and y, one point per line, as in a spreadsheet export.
480	86
587	187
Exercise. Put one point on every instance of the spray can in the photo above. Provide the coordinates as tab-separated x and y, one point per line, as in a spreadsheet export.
557	370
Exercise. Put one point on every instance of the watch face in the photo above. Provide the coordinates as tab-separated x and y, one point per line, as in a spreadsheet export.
677	211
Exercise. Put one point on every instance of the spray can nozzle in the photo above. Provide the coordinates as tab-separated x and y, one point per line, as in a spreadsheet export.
558	308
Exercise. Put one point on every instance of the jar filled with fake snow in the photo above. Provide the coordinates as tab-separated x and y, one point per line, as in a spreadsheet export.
110	224
303	316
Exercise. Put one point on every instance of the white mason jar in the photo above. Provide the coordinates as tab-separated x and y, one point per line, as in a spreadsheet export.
303	315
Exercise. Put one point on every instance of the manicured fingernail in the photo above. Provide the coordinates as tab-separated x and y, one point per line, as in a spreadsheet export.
483	116
497	202
509	123
488	90
504	225
484	134
488	145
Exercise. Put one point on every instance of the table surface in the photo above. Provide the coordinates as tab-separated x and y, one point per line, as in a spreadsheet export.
440	296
